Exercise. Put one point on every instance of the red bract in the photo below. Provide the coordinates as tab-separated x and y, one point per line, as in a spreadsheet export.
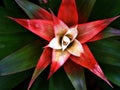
67	39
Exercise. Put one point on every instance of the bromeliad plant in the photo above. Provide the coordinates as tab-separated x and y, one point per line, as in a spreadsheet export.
67	40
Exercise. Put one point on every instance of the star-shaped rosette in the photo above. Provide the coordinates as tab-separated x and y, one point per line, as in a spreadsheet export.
67	40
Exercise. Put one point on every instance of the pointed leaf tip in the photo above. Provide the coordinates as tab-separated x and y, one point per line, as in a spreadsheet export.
88	61
112	19
107	33
43	62
66	12
42	28
98	71
89	30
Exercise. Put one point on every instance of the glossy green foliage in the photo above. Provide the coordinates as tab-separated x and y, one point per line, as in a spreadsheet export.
106	8
59	81
113	73
107	53
23	59
84	9
10	81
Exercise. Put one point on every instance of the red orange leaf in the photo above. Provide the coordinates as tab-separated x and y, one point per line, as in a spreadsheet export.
88	61
43	62
108	32
42	28
89	30
59	57
68	12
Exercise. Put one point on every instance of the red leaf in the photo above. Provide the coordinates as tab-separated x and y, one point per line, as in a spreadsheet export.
43	62
59	57
109	32
41	28
99	36
89	30
68	12
88	61
45	1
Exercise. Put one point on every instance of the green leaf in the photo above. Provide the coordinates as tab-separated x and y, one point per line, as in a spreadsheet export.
10	42
11	5
28	7
41	82
23	59
105	8
76	75
107	51
12	36
10	81
54	5
59	81
84	9
13	9
111	32
7	25
112	73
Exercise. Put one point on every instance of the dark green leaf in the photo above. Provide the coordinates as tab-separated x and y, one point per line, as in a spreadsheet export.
54	6
14	9
41	82
12	36
111	32
112	73
29	7
23	59
10	4
59	81
10	81
107	51
84	9
7	25
76	75
10	42
105	8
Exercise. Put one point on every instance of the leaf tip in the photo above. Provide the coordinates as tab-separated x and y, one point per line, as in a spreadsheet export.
114	18
10	17
30	84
